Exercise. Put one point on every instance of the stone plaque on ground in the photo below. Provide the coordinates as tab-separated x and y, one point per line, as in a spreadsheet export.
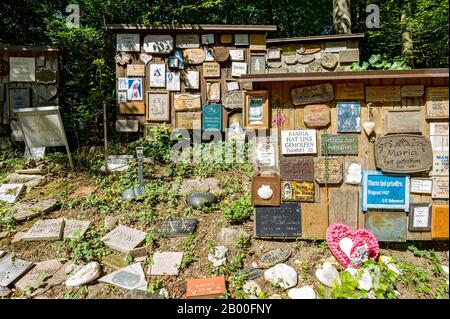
316	115
177	227
339	144
38	275
400	120
12	268
166	263
297	168
403	153
10	192
74	228
312	94
25	211
124	239
327	170
131	277
383	93
283	221
250	273
274	257
114	261
205	287
46	229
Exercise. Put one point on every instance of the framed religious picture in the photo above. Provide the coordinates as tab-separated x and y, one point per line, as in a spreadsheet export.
134	89
19	98
257	64
265	153
122	84
192	80
158	106
256	110
173	81
122	97
209	54
348	117
158	75
420	217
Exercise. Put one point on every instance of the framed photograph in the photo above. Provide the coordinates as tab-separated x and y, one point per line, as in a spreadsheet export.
238	69
122	85
274	54
257	64
158	75
232	85
348	117
173	62
134	89
209	54
241	39
208	38
192	80
256	110
420	217
19	98
237	55
173	81
158	106
122	97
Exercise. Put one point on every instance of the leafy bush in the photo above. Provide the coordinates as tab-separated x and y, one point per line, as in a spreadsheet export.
238	210
381	62
7	222
86	248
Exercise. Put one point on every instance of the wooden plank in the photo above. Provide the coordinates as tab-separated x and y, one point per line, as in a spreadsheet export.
344	206
314	220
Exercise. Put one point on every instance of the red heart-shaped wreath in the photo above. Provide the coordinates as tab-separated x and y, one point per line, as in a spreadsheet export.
358	244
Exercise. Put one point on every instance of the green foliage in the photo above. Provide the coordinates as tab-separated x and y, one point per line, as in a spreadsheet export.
238	210
348	288
7	222
76	293
86	248
415	278
381	62
155	285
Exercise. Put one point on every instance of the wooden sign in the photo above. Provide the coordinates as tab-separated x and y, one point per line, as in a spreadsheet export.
226	38
292	191
237	55
403	153
421	185
203	288
188	120
212	117
348	117
136	70
439	227
327	170
208	38
437	102
158	43
314	220
211	70
132	107
274	54
213	91
128	42
158	106
222	54
339	144
385	191
241	39
316	115
309	49
312	94
233	100
412	90
298	142
400	120
22	69
344	206
46	76
387	227
187	102
266	190
440	187
349	56
194	56
297	168
238	69
278	222
350	91
419	217
187	41
257	42
383	93
440	163
19	98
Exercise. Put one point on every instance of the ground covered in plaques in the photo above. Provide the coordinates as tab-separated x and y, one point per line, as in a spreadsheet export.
222	242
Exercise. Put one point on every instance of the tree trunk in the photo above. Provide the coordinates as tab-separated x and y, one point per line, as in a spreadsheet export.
407	42
342	20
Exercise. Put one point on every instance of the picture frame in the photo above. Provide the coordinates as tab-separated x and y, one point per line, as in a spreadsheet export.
232	85
209	54
274	54
122	84
256	109
419	219
257	64
157	75
134	89
122	97
173	81
19	98
265	153
237	55
208	38
241	39
238	69
348	116
158	106
192	80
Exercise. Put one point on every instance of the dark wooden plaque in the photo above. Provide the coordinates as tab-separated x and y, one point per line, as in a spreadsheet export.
297	168
281	222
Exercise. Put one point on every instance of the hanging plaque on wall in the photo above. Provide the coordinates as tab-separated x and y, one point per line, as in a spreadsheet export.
400	120
187	41
297	168
383	93
327	170
292	191
348	116
158	43
440	163
403	153
316	115
312	94
339	144
281	222
420	217
440	187
22	69
421	185
212	117
128	42
437	102
298	142
350	91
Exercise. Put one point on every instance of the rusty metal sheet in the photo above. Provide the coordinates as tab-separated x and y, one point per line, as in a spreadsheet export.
387	226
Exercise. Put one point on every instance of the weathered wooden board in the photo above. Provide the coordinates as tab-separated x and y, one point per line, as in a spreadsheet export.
387	226
349	91
314	220
437	103
257	42
400	120
440	224
383	93
187	102
312	94
327	170
132	108
136	70
344	206
412	90
188	120
316	115
211	70
403	153
349	56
